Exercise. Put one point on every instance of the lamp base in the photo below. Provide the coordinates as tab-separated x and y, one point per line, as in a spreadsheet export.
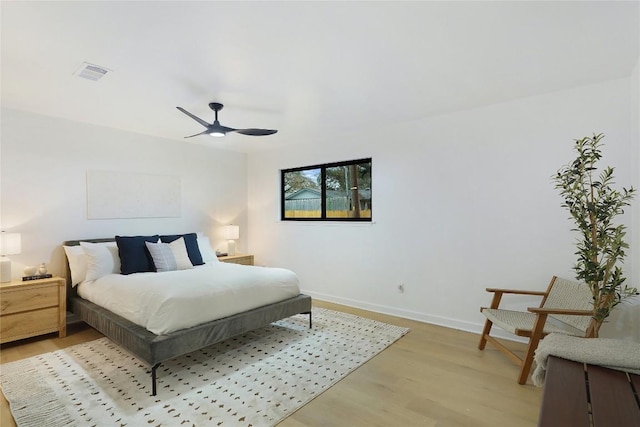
231	247
5	269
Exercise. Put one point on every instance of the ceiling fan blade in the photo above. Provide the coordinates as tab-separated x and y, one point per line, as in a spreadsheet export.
197	119
201	133
256	132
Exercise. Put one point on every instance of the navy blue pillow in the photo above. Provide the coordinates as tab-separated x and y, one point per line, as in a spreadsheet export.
134	256
191	242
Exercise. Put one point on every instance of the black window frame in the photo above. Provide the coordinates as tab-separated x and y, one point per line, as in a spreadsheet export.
323	193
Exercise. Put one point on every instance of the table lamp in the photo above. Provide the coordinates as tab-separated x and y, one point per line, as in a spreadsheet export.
231	233
10	244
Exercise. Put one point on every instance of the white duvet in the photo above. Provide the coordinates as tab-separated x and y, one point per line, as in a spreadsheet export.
173	300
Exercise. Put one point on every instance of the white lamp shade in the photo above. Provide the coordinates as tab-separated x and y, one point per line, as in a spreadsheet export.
232	232
10	243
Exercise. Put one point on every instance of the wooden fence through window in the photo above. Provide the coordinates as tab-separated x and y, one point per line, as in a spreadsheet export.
337	207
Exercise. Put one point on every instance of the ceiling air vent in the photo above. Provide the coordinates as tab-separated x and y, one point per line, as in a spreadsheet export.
91	71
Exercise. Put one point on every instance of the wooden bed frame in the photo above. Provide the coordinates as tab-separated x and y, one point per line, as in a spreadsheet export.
155	349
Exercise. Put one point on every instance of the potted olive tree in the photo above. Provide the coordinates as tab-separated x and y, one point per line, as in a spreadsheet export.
593	204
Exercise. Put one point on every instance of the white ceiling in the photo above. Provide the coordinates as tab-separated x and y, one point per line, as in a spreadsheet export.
308	69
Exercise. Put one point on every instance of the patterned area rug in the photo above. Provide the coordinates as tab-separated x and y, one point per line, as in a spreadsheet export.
256	379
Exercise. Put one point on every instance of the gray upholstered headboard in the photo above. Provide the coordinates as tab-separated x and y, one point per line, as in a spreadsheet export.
71	291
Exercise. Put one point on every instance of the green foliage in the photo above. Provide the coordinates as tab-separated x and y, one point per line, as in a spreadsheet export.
593	204
337	178
296	180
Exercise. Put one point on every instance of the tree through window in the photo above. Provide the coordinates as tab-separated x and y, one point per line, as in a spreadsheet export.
334	191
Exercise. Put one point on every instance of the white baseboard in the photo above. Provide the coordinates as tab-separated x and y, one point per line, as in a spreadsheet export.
446	322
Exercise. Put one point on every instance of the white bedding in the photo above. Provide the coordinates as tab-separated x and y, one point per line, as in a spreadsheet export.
173	300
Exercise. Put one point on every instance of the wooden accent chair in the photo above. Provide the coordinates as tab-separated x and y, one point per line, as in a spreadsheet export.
566	308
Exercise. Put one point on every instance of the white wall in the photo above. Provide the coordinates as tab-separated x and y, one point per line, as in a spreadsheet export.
634	250
44	162
460	202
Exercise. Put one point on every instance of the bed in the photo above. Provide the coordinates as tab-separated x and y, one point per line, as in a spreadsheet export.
153	348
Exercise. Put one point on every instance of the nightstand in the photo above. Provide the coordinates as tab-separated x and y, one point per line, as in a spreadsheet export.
32	308
243	259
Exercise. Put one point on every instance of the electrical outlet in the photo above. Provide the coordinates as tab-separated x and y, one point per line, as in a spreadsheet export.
401	288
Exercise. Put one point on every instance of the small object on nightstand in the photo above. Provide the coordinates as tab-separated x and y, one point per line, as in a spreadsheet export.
10	244
42	270
36	277
232	233
30	270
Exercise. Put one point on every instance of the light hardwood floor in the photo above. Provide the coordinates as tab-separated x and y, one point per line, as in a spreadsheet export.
433	376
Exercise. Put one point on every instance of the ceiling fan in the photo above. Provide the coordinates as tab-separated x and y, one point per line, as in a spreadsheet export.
216	129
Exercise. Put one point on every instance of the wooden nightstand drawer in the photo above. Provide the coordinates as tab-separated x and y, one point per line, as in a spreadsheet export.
28	299
23	325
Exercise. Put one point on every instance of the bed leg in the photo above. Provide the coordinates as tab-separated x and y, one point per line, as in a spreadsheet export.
153	379
310	321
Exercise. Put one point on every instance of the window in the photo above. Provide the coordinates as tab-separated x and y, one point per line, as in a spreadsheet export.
331	192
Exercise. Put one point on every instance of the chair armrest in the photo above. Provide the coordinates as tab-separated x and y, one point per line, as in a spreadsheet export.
497	294
542	310
516	291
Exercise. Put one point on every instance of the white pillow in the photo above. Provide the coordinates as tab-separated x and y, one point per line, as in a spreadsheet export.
179	250
162	255
77	263
208	255
102	259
